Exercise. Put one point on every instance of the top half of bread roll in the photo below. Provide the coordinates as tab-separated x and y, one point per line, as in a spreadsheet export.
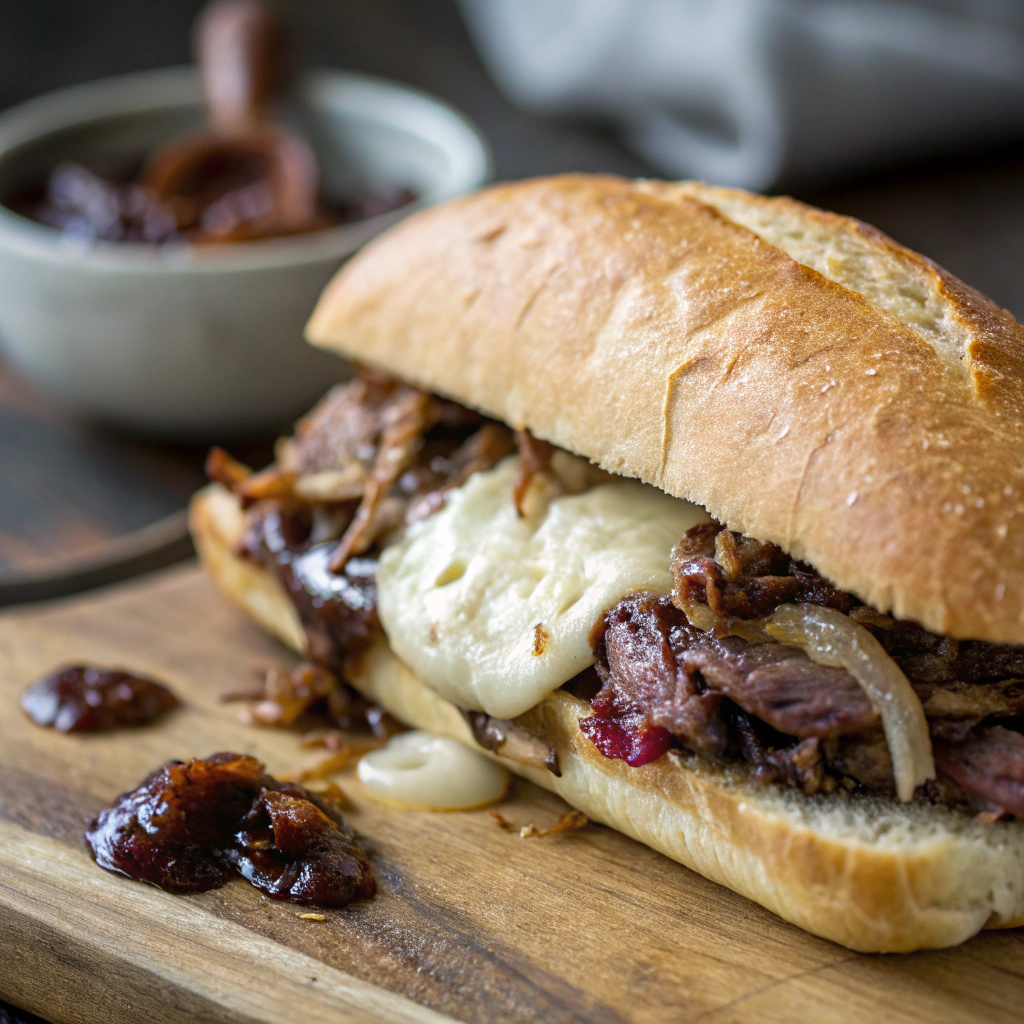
805	378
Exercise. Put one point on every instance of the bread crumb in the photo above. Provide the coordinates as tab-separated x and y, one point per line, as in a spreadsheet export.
312	917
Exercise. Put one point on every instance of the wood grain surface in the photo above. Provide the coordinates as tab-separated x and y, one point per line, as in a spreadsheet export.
471	923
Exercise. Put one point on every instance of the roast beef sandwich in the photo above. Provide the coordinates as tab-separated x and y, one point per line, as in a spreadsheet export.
700	509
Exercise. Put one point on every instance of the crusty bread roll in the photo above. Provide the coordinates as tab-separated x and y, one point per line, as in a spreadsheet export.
870	873
805	378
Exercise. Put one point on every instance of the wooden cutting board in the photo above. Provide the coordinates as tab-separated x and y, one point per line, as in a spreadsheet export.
472	923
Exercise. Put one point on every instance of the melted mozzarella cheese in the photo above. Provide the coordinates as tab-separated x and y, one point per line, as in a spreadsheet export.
494	611
420	772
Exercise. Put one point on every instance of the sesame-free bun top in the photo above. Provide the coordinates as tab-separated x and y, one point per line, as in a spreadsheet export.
805	378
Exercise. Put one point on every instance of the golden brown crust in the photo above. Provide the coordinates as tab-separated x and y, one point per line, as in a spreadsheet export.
873	875
639	325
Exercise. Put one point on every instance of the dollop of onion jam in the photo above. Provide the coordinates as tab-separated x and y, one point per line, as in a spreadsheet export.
189	827
84	698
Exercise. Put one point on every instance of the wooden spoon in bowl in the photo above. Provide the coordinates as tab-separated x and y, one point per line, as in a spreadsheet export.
247	176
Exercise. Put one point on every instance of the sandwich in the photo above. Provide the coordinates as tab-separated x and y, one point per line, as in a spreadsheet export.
700	509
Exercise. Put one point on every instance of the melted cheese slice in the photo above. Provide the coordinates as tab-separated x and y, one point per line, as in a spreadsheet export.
494	611
420	772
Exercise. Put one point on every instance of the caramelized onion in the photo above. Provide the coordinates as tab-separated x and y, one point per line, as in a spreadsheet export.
333	484
831	638
701	616
751	630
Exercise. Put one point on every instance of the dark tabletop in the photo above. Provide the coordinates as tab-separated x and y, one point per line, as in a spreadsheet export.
72	488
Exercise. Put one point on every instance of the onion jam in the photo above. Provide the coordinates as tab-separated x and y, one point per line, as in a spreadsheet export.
84	698
190	827
623	732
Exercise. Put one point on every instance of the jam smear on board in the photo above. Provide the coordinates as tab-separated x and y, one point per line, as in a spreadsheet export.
84	698
191	826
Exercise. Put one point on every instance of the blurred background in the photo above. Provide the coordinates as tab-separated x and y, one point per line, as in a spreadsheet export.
954	68
909	115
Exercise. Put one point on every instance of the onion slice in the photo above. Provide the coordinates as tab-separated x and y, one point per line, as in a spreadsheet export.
831	638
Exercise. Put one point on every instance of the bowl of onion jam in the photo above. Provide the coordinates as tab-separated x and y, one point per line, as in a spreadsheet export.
143	296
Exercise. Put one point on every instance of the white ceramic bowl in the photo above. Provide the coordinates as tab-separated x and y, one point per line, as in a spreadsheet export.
196	343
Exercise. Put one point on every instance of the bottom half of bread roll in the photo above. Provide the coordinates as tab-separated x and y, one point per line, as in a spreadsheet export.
864	871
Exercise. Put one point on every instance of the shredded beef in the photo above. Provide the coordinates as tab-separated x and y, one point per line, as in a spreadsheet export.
342	428
988	764
369	453
793	721
397	452
639	646
962	685
377	454
647	651
739	576
408	415
346	426
954	708
432	483
797	765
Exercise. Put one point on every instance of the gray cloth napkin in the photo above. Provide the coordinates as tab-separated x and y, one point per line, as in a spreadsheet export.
753	92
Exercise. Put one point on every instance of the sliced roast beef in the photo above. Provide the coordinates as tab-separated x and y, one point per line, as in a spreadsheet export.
800	764
649	655
988	764
779	685
638	646
793	721
738	576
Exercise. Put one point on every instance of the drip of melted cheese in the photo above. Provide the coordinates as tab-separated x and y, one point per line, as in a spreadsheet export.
493	610
420	772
